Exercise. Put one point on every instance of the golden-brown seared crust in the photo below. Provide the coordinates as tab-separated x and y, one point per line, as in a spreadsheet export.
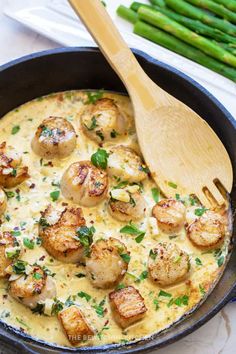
3	201
11	171
33	288
84	183
75	325
102	120
6	241
54	137
105	266
168	264
170	215
208	231
127	306
125	163
132	210
31	284
58	230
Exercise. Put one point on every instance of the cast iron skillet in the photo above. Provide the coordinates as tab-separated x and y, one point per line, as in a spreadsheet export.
85	68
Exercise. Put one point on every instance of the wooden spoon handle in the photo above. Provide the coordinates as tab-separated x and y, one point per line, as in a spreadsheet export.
98	22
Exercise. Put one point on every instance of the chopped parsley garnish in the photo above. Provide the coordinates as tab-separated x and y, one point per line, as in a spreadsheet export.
15	233
45	131
10	194
198	261
220	261
54	195
43	223
85	296
69	302
99	158
22	323
142	276
85	237
28	243
57	307
37	276
100	135
156	303
171	237
80	275
120	286
99	308
114	134
99	334
152	255
132	229
179	301
93	124
155	194
92	97
172	185
164	294
13	254
121	185
14	172
18	198
48	271
7	217
15	129
125	257
200	211
19	267
144	169
55	184
202	290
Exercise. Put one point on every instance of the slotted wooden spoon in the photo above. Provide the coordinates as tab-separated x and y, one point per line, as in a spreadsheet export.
183	153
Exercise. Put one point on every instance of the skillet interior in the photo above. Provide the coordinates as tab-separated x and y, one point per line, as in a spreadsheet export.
86	68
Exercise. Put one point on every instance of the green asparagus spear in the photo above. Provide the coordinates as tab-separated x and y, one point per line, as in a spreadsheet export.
160	3
228	47
170	42
188	10
194	25
159	20
230	4
215	8
127	14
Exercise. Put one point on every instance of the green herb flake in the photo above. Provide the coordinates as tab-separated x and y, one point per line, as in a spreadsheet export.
10	194
15	129
85	296
198	261
22	323
37	276
132	229
15	233
164	294
92	97
28	243
120	286
99	158
172	185
155	194
202	290
200	211
93	124
125	257
85	237
156	303
152	255
99	308
54	195
142	276
114	134
220	261
80	275
19	267
57	307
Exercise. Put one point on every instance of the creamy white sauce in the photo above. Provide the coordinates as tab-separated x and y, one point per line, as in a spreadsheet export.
26	213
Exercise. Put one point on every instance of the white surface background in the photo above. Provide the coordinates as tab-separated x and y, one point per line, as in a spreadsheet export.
216	337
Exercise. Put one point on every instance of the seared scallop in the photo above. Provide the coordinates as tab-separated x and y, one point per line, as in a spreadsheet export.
208	231
170	215
57	228
124	163
12	172
75	325
168	264
102	120
107	263
84	184
9	250
126	206
127	306
55	137
3	201
32	288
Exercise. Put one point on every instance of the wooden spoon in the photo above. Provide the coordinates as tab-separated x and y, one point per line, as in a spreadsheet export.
183	153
